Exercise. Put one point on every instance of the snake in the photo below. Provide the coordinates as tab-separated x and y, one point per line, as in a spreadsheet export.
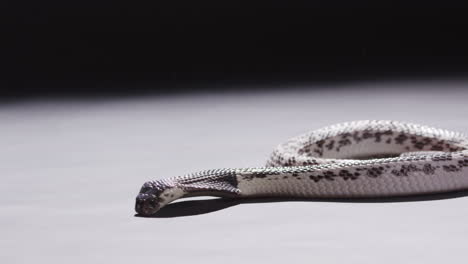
358	159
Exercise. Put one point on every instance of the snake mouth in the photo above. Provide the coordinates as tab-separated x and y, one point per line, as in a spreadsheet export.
146	206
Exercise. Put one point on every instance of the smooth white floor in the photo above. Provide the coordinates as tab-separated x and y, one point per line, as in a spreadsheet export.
70	170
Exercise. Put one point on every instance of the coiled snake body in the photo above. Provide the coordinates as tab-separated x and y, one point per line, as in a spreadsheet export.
354	159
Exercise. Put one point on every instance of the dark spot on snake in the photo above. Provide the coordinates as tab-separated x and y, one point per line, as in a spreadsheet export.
356	137
330	145
437	148
329	174
366	134
314	178
319	152
378	136
320	143
450	168
374	172
463	163
428	169
400	139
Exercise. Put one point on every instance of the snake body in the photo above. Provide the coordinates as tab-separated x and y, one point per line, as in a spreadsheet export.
354	159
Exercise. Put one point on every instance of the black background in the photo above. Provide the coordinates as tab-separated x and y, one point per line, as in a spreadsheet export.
74	47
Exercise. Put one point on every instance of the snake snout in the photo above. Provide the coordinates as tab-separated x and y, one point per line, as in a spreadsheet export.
146	206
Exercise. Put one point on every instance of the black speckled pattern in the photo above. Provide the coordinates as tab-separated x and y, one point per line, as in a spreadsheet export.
358	158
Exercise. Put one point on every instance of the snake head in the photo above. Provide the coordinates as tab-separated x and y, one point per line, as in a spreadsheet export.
150	199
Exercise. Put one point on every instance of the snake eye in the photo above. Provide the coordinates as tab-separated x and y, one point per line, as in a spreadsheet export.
145	189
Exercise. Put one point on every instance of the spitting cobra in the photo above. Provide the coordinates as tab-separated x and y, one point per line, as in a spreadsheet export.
360	159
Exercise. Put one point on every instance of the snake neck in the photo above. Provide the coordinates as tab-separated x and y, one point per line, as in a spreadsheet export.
221	182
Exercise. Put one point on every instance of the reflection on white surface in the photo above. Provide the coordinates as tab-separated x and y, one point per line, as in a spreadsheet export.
70	171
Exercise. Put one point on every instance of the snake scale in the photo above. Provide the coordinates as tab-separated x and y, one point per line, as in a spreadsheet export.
348	160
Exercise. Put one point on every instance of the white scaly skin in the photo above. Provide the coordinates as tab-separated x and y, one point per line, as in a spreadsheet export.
355	159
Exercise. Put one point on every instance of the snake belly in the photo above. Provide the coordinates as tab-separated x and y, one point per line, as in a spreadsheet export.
355	159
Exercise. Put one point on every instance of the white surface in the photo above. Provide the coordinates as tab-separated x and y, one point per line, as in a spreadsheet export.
70	171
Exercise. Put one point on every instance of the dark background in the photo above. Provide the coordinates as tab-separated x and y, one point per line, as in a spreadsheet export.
65	47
